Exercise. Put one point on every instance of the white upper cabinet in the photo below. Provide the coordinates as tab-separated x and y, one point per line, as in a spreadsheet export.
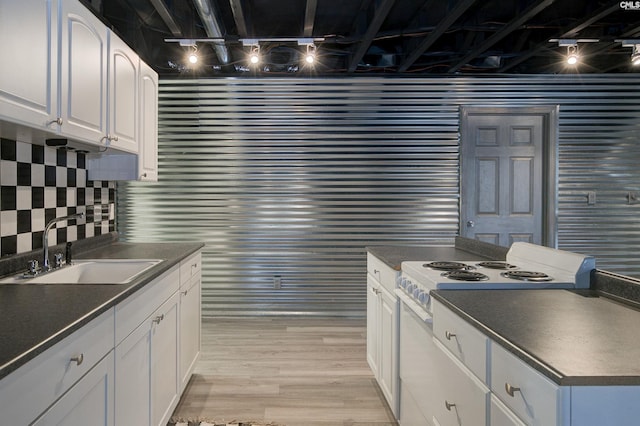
69	76
83	79
28	89
123	96
148	148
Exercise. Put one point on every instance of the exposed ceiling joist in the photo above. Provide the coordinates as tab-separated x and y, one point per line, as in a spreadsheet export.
589	20
504	32
445	24
310	17
166	16
237	9
381	10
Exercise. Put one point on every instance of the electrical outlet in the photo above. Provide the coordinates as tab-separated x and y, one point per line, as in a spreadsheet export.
633	197
591	197
277	282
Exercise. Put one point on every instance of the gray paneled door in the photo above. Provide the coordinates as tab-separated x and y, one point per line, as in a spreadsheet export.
503	178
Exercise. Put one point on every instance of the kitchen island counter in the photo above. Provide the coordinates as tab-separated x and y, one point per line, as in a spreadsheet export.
573	337
36	316
464	249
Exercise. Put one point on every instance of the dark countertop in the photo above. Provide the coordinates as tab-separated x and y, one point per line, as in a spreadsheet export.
573	337
36	316
464	249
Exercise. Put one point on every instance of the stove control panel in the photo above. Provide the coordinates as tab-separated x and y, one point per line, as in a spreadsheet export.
416	291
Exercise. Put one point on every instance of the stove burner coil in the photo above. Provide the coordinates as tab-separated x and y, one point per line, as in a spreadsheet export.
448	266
462	275
527	276
497	265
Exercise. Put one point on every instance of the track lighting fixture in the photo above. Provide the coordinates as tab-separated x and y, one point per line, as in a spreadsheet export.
310	56
254	56
635	50
193	56
572	54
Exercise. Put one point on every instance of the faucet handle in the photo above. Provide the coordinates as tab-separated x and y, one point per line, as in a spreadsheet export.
33	267
57	260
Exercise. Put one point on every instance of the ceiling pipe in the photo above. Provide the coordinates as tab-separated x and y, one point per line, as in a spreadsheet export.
212	27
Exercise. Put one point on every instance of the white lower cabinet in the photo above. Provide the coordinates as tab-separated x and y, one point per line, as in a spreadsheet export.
531	396
90	398
383	329
128	366
190	322
519	395
501	415
462	399
147	385
61	375
147	356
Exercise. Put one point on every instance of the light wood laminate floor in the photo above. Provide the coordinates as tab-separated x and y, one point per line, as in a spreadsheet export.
288	371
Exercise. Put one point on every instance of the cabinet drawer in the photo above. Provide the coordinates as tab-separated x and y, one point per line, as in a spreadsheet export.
462	400
501	415
48	376
532	397
465	342
382	272
135	309
190	267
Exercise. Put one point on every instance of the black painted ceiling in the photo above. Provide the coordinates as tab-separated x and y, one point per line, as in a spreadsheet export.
369	37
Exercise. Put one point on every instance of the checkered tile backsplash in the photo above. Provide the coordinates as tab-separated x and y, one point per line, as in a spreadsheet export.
40	183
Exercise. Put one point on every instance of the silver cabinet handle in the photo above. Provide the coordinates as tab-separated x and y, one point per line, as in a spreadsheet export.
376	291
511	390
449	405
77	359
57	121
470	224
158	319
449	335
184	293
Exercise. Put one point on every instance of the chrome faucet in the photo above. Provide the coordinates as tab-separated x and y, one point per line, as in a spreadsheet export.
45	237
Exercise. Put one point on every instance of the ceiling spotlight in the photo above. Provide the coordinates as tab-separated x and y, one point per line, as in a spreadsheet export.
635	56
254	56
635	52
310	57
572	54
193	56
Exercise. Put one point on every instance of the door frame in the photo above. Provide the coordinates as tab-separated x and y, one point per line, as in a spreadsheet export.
549	114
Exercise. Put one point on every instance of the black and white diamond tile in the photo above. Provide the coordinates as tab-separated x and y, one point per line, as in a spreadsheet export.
39	183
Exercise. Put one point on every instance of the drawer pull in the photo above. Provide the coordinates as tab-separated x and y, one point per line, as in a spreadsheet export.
511	390
184	293
77	359
158	319
449	405
449	335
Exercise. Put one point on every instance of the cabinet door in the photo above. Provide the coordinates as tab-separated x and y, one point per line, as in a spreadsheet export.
164	361
148	141
83	74
133	373
462	399
373	309
189	328
88	401
388	345
123	96
28	91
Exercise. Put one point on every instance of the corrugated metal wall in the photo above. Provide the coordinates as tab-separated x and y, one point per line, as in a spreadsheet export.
294	177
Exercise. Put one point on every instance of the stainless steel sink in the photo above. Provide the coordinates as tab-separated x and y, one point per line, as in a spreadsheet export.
90	271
